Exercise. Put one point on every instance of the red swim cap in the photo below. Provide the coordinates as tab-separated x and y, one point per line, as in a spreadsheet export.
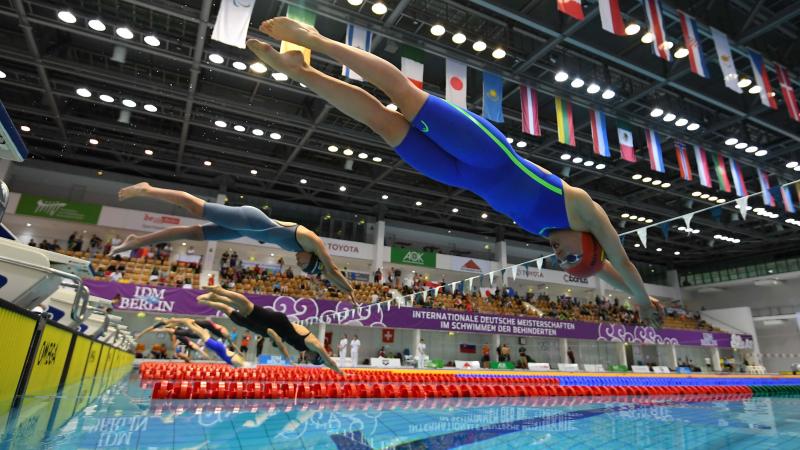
592	260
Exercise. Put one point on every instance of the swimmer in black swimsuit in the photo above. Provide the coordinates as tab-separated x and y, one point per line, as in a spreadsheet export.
214	345
267	323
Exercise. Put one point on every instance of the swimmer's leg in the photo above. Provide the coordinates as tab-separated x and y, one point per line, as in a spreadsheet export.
192	232
315	345
185	200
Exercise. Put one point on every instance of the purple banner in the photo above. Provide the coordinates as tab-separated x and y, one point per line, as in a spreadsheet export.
182	301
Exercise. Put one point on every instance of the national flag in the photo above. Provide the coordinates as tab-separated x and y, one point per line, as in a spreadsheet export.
411	64
388	335
683	161
702	166
722	174
654	148
656	21
726	63
599	133
492	97
738	178
566	131
233	20
625	139
358	37
788	201
530	110
611	17
467	348
797	190
785	80
691	39
762	78
763	180
456	90
571	8
301	15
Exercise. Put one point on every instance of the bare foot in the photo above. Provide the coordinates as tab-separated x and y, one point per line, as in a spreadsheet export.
137	190
131	242
289	63
286	29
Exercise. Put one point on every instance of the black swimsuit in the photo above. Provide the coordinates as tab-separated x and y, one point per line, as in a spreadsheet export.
261	318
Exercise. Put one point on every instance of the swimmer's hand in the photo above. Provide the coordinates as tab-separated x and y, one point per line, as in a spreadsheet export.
655	303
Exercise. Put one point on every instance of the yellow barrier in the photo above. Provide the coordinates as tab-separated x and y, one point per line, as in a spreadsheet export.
48	365
15	350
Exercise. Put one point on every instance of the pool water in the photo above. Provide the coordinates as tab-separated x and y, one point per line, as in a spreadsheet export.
126	417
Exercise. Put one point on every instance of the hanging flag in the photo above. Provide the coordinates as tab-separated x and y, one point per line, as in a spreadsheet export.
716	213
566	131
642	233
762	78
665	230
741	204
656	21
687	219
611	17
625	139
530	110
358	37
683	161
599	133
722	174
785	80
571	8
738	178
456	91
797	190
411	64
233	20
702	166
726	63
691	39
654	148
763	180
301	15
788	202
492	97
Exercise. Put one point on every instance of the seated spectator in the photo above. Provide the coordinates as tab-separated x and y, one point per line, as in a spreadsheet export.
32	243
116	276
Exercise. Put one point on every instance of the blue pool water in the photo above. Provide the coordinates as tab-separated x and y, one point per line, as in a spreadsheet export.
126	418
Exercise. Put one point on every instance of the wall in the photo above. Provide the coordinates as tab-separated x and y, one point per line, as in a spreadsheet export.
782	338
746	293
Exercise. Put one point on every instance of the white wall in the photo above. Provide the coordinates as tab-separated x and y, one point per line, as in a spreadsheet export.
747	293
779	339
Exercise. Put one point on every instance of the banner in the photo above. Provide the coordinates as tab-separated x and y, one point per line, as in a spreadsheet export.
472	265
611	17
467	348
301	15
413	257
32	205
492	97
691	39
456	90
726	63
358	37
233	20
762	79
182	301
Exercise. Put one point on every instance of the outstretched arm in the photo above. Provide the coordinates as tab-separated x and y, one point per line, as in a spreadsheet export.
279	342
329	268
610	275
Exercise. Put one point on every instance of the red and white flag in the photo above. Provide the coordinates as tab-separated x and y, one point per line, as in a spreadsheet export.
656	21
530	110
702	166
611	17
571	8
411	64
785	80
456	90
762	79
691	38
683	161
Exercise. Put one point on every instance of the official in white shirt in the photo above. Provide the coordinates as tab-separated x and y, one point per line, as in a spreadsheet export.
421	354
354	345
343	348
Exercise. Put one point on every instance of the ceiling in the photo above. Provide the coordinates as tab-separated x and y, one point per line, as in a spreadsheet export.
45	60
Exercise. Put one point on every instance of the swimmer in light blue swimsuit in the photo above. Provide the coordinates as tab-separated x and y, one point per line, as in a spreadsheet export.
232	222
456	147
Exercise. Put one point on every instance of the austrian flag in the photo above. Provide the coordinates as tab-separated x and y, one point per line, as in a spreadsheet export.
571	8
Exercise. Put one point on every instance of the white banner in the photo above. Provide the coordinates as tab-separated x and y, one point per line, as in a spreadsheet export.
351	249
233	20
555	277
726	64
470	265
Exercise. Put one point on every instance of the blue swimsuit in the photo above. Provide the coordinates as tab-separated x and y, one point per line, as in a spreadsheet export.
461	149
232	222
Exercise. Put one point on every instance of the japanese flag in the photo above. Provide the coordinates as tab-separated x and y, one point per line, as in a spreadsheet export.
456	92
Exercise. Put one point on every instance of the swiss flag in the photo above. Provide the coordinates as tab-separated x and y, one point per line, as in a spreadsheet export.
456	91
328	337
388	335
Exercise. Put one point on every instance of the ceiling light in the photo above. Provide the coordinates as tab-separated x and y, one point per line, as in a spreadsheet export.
751	149
646	180
677	253
744	82
220	123
333	148
647	38
704	196
666	185
681	52
355	2
152	41
94	141
656	182
694	126
106	98
238	65
377	159
600	166
216	58
593	88
637	245
588	163
624	215
797	169
150	108
713	198
342	188
761	152
97	25
696	194
484	216
459	38
455	210
792	164
731	141
303	181
637	176
384	197
275	136
681	122
148	152
648	221
668	45
656	112
129	103
418	203
83	92
25	128
561	76
498	53
720	200
577	160
379	8
258	67
437	30
755	89
66	16
479	46
633	217
658	249
253	172
632	29
510	140
207	163
363	155
124	33
522	144
239	128
257	132
577	82
668	117
641	219
566	156
347	152
741	146
608	94
391	107
279	76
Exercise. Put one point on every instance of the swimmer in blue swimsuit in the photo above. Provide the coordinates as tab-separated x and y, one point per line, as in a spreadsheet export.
456	147
214	345
232	222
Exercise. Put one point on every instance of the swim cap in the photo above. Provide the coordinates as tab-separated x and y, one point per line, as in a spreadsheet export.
314	266
591	259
